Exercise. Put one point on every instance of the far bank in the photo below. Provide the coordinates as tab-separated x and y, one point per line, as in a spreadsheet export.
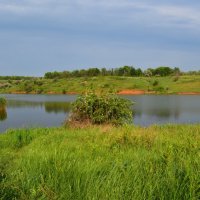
188	85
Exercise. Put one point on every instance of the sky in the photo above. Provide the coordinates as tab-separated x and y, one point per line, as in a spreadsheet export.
37	36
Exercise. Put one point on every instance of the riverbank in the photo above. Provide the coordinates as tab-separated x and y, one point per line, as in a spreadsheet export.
101	162
122	92
189	85
142	92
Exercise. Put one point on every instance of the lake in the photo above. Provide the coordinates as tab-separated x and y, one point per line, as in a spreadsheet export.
51	110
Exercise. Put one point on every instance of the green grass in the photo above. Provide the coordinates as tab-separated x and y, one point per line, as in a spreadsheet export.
78	85
158	162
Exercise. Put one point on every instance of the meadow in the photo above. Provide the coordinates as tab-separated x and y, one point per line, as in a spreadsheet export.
163	85
101	162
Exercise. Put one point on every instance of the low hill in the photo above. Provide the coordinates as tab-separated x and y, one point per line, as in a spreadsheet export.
185	84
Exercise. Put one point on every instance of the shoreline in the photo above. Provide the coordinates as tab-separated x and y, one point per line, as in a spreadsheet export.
121	92
142	92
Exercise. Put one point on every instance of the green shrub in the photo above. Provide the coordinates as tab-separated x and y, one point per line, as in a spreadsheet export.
155	83
2	102
3	113
159	89
38	83
39	90
101	109
28	89
63	91
28	86
106	85
176	78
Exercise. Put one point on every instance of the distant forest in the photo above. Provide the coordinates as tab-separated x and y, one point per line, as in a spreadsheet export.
16	77
121	71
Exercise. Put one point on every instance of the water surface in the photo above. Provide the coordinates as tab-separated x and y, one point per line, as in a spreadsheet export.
52	110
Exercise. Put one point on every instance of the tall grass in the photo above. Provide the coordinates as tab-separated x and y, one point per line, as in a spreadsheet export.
159	162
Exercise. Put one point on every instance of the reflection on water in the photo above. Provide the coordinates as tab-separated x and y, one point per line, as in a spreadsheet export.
52	110
3	113
163	107
56	107
36	110
159	109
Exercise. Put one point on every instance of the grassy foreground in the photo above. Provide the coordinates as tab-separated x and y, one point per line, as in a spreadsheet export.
166	85
159	162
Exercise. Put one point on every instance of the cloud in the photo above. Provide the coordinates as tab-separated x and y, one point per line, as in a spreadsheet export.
112	15
148	9
175	13
98	33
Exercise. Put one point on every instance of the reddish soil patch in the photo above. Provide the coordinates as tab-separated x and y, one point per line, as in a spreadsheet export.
132	92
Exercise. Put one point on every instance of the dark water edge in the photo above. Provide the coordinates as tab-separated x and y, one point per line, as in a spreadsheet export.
25	111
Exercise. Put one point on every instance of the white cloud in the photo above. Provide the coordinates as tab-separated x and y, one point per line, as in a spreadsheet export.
89	32
126	11
189	15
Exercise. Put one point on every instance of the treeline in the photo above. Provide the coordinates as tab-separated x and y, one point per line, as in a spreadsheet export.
121	71
191	73
16	78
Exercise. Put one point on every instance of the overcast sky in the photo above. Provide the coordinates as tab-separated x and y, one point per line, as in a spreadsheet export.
37	36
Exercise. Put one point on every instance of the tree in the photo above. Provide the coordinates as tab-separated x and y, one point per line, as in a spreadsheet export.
163	71
139	72
103	71
177	71
93	72
132	71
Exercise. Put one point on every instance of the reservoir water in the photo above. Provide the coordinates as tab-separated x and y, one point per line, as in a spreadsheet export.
51	110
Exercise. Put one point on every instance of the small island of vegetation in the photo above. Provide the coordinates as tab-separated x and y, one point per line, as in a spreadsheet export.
95	108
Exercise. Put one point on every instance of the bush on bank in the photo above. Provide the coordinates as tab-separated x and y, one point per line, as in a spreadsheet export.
2	102
101	109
